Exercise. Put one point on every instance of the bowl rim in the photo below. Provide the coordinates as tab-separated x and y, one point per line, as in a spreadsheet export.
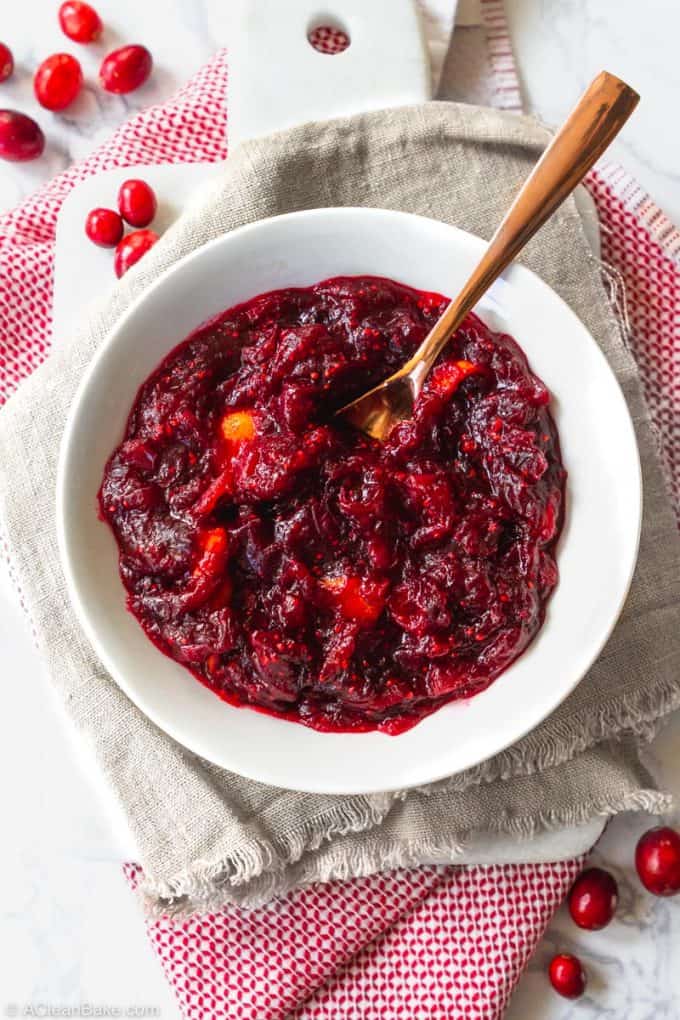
423	776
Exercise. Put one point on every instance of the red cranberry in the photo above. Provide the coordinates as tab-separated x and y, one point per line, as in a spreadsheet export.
79	21
104	227
137	203
593	899
131	249
6	62
20	137
657	859
567	976
125	69
57	81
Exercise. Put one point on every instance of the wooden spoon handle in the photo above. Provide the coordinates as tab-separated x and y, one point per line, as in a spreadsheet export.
594	122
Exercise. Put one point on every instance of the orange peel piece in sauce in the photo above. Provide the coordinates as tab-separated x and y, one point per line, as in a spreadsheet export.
447	378
238	427
358	599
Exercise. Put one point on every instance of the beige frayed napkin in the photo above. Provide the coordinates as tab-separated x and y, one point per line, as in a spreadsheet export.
206	836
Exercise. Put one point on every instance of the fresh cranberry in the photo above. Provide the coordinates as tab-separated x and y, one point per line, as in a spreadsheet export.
79	21
6	62
58	81
657	859
131	249
137	203
593	899
125	69
567	976
20	137
104	227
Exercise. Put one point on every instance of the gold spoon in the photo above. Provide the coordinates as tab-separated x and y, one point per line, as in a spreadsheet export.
594	122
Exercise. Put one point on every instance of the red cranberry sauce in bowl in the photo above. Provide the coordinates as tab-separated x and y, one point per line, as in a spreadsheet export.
294	565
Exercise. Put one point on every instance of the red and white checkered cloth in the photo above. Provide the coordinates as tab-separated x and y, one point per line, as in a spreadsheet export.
429	942
437	943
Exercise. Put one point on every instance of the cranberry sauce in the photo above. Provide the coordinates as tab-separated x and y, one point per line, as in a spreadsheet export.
299	567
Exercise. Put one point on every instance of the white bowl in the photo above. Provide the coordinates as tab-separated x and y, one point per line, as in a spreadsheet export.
596	554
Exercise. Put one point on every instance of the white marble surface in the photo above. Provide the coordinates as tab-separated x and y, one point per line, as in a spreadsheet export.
561	44
59	855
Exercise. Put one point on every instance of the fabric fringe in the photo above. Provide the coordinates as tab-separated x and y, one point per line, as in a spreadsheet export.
209	881
204	888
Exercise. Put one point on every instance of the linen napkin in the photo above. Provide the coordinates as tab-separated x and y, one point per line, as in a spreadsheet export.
224	839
